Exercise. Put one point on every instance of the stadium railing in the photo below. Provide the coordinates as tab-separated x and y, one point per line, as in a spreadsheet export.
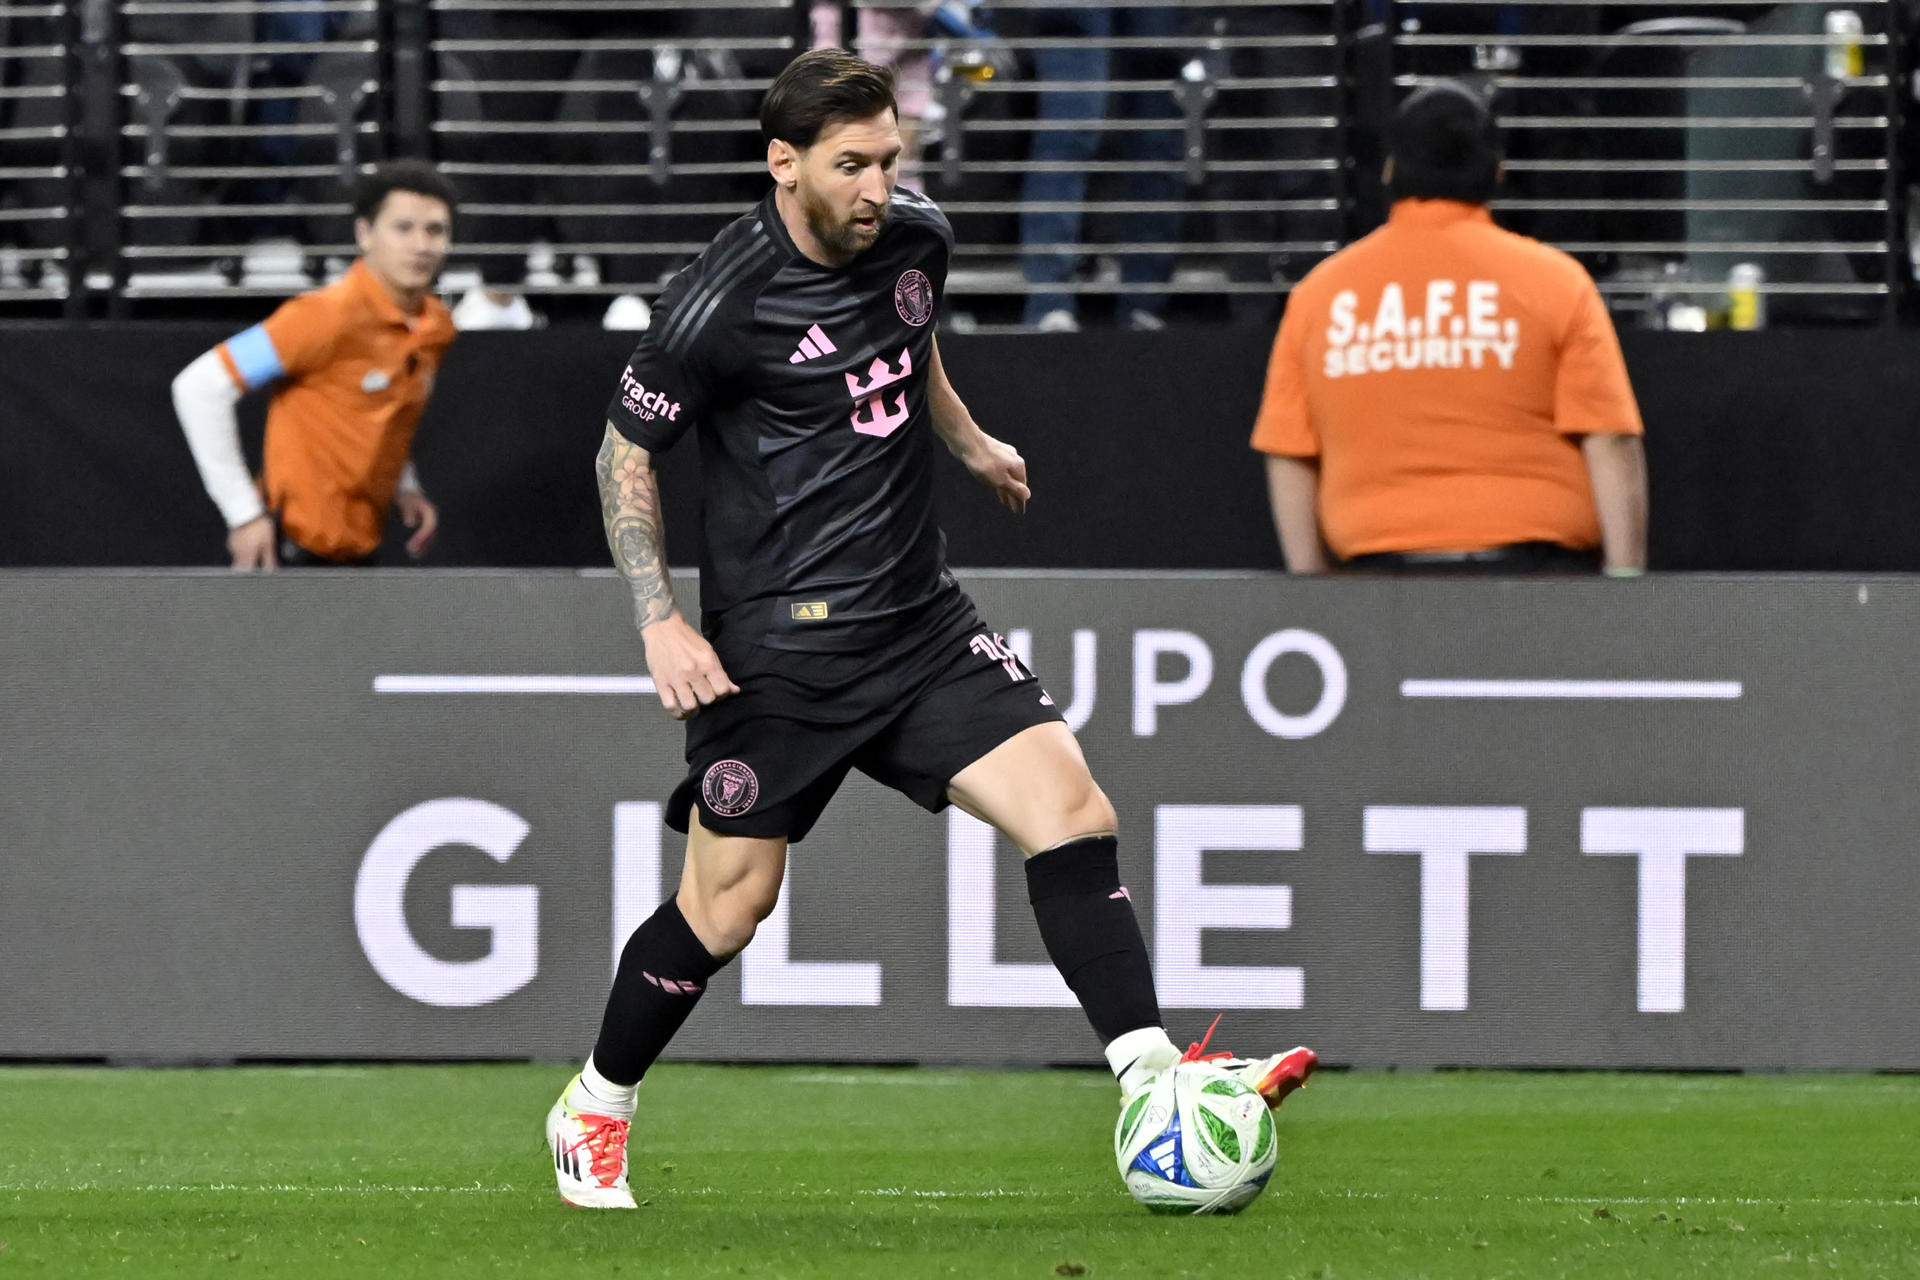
613	137
1687	152
175	149
1248	100
239	122
38	171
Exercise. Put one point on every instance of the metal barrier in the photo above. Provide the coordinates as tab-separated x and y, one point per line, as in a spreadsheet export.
615	136
241	122
1675	151
37	171
1138	152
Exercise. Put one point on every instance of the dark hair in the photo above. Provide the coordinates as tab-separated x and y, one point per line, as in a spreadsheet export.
824	87
1445	145
370	190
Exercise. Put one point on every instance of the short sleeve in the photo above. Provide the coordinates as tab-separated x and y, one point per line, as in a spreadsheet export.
668	384
1285	425
296	339
1591	393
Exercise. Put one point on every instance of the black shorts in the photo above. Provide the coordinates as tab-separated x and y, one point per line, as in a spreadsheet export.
909	714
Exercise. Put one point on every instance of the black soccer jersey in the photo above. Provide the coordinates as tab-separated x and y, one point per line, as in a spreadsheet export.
806	386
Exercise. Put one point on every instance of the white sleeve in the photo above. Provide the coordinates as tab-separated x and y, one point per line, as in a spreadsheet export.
203	397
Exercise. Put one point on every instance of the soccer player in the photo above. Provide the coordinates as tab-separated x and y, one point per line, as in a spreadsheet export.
351	367
799	349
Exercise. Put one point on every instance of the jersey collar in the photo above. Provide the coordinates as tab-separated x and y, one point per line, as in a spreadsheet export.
1436	213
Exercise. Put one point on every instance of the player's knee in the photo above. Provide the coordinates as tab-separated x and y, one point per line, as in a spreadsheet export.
1090	813
733	913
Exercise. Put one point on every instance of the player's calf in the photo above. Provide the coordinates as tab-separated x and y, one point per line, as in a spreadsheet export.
1087	923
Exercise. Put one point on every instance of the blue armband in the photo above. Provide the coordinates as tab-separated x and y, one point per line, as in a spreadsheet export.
254	356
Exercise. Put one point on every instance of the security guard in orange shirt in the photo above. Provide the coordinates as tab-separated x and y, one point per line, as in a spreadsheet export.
1445	395
352	365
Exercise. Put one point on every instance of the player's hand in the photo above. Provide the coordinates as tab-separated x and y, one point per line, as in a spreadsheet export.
421	516
251	546
686	671
999	466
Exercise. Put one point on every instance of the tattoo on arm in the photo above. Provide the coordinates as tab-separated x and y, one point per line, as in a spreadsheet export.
630	507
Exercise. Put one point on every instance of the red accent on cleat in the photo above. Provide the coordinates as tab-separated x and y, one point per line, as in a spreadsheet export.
1197	1052
1289	1072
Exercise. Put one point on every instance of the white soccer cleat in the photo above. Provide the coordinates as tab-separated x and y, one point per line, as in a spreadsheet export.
1273	1078
589	1155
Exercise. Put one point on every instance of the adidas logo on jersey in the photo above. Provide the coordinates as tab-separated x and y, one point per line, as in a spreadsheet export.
813	346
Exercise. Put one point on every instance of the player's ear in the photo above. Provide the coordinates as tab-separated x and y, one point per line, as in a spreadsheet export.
783	162
363	234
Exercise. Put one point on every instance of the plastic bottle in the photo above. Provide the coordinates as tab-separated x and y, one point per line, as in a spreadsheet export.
1746	305
1846	52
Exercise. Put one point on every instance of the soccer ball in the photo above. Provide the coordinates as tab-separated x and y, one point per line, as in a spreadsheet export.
1195	1140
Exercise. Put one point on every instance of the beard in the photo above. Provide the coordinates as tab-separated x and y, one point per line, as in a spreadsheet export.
836	232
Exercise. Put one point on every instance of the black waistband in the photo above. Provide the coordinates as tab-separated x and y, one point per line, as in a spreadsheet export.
1512	557
295	556
792	623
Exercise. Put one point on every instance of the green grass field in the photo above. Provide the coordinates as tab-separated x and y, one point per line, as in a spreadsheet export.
842	1173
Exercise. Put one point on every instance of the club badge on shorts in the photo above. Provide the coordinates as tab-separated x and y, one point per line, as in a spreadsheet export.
913	297
729	788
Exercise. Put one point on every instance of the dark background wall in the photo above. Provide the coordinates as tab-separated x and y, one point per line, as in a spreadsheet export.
1785	449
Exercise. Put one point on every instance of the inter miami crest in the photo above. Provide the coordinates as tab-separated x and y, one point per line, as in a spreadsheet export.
730	788
913	297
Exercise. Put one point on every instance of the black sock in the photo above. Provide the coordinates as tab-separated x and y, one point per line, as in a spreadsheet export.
1086	920
663	970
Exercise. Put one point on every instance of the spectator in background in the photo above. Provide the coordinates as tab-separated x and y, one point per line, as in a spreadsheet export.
1447	396
287	25
1285	69
548	109
353	365
1064	142
531	111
